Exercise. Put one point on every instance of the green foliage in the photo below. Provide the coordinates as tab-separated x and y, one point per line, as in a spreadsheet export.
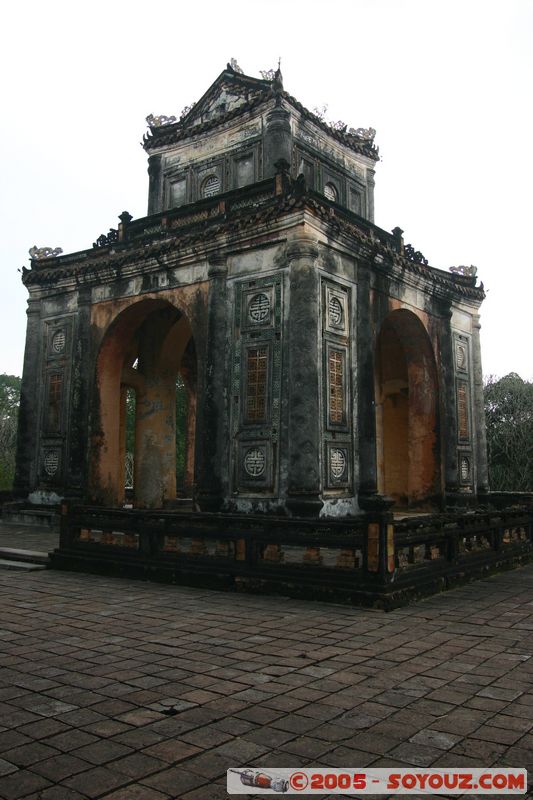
9	407
509	416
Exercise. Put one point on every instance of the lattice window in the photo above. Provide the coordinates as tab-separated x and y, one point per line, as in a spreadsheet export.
55	388
336	386
211	186
462	411
256	384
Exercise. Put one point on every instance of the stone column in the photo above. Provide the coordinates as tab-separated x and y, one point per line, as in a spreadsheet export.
155	442
448	404
212	439
155	203
482	470
366	408
304	408
81	388
370	182
28	450
277	140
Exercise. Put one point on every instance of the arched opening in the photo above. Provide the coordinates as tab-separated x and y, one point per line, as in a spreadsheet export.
142	354
407	425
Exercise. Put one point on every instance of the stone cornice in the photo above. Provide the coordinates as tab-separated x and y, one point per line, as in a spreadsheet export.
243	214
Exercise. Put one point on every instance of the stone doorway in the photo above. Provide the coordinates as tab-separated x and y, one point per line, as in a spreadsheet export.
146	354
407	413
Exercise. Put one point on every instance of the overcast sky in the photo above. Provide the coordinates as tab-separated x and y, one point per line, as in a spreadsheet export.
447	85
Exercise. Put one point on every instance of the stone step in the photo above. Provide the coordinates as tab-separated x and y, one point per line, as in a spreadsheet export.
21	566
23	514
28	556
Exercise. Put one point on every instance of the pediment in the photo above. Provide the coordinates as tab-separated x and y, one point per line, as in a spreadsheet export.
227	94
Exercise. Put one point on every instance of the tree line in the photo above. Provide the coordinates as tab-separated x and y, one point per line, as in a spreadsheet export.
508	411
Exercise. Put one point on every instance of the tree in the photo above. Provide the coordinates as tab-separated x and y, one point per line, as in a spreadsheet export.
9	408
509	416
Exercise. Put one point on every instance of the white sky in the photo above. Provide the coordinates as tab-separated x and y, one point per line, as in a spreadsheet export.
447	85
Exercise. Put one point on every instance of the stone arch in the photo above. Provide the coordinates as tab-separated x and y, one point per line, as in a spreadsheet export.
143	348
407	412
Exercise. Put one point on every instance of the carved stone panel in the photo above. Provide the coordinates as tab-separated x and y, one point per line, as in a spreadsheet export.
58	339
338	465
258	308
254	465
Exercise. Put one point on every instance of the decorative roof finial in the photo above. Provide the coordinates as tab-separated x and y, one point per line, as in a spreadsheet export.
277	81
234	66
38	253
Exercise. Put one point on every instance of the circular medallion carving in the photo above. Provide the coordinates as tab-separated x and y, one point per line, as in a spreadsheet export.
255	462
259	308
211	186
337	462
461	357
51	462
58	341
330	192
465	468
335	312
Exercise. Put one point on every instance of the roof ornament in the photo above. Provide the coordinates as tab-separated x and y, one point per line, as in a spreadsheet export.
186	109
38	253
232	64
339	126
414	255
368	134
320	112
267	74
277	81
468	272
157	122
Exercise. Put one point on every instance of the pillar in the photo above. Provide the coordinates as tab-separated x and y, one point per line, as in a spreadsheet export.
366	410
155	441
304	414
277	140
28	455
212	438
449	408
482	469
81	388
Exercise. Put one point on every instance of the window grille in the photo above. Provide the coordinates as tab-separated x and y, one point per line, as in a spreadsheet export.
256	384
336	386
462	411
55	388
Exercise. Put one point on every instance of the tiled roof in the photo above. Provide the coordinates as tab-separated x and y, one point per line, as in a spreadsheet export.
258	92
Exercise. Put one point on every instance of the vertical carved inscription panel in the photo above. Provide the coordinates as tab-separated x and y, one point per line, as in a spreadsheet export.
256	384
336	372
336	393
462	411
465	459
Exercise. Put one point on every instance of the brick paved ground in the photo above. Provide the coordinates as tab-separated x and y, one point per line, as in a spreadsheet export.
133	691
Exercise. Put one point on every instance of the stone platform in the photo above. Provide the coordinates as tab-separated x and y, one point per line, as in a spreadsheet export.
125	690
